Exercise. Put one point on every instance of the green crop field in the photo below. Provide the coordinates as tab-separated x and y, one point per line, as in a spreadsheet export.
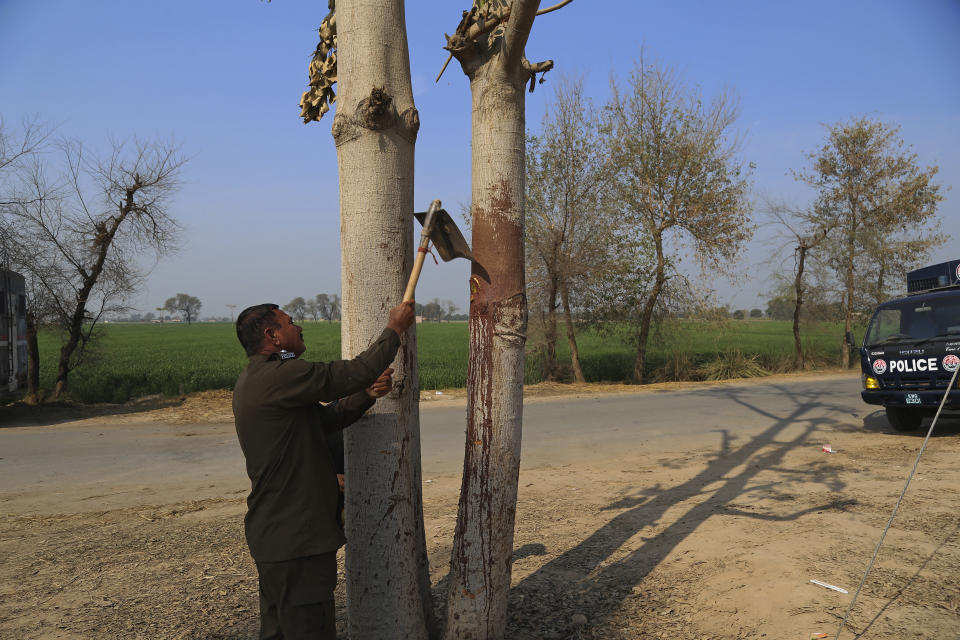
132	360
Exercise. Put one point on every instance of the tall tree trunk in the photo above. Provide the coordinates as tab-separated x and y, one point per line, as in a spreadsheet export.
375	128
571	336
646	314
67	350
798	288
480	566
881	270
75	336
33	361
550	332
849	282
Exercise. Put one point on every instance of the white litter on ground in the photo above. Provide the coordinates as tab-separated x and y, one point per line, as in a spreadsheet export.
830	586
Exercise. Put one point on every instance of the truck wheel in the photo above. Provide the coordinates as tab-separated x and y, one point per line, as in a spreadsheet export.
902	419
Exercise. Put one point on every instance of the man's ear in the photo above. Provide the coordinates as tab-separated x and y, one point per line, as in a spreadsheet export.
269	334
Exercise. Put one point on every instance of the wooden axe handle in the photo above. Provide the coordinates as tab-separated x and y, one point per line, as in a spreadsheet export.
415	273
428	222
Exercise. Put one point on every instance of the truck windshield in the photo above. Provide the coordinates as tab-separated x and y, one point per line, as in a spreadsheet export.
915	321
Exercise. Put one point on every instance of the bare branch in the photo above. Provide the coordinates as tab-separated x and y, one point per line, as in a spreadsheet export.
449	58
559	5
518	31
31	140
487	21
534	68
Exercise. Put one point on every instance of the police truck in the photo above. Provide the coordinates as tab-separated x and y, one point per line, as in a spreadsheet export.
912	347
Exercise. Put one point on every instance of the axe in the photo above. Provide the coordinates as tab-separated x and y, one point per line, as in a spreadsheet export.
438	228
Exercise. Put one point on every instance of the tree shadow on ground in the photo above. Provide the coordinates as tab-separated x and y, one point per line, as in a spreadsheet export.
20	414
585	580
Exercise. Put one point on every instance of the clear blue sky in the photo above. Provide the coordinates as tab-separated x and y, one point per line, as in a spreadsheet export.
259	201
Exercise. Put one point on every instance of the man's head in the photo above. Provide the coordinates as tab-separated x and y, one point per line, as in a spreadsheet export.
265	328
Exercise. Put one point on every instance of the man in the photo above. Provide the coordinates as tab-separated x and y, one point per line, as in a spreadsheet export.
292	524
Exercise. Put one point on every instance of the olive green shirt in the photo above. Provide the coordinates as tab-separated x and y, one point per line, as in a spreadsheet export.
281	425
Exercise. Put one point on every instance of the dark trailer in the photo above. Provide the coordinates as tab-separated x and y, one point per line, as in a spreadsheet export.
13	332
938	276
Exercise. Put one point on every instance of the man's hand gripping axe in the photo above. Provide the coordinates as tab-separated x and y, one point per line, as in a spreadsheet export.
438	228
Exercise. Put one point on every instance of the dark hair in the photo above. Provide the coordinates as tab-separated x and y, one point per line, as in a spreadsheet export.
250	325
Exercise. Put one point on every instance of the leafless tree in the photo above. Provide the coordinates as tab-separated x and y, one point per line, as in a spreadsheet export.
87	222
17	148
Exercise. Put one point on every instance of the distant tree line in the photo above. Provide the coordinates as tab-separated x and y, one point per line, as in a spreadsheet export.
439	310
323	306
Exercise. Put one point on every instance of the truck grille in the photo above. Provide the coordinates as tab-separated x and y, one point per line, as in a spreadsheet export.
938	380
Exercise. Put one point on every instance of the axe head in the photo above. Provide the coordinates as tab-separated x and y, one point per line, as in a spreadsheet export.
445	236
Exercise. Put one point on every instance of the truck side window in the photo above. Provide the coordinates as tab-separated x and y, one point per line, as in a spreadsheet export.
22	306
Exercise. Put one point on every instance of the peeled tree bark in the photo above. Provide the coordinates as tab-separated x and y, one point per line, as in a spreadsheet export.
375	129
489	44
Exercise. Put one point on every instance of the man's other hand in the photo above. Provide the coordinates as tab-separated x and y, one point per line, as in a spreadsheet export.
401	317
382	385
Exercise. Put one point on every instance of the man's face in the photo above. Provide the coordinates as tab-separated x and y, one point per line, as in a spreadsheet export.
289	335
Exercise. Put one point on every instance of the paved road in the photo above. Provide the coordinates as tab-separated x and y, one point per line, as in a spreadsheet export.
94	465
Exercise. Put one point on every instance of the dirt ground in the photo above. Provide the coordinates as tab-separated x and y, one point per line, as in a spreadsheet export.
716	543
